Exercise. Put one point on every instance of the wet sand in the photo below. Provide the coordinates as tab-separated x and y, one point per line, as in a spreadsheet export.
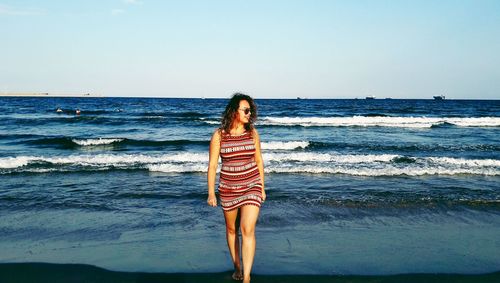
68	273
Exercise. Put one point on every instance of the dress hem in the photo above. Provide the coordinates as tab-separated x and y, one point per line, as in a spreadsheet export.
243	204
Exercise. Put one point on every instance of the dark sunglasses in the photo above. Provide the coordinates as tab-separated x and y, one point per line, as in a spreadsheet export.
245	110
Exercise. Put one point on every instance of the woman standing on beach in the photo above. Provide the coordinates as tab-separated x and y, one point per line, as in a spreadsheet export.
241	183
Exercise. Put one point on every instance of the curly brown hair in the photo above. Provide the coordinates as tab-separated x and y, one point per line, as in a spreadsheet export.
232	110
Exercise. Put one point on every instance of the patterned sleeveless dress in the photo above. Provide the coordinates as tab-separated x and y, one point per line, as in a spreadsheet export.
239	182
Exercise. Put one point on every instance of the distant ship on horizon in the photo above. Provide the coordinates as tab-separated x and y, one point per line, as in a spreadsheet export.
439	97
370	97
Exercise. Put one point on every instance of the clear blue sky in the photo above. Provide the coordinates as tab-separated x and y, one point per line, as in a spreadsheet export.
268	49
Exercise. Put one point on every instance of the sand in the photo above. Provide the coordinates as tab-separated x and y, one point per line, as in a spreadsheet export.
67	273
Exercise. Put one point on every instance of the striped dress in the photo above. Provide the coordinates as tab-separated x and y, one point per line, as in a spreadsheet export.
239	182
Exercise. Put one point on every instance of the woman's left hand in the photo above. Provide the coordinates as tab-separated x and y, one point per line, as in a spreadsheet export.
212	201
263	195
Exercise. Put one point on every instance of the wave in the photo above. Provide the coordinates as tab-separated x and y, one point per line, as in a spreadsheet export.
184	114
378	121
276	162
60	142
99	141
277	145
211	122
178	168
71	143
385	171
328	157
18	136
77	143
117	160
369	120
68	142
114	119
405	147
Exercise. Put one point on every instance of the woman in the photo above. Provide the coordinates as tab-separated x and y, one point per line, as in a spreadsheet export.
241	183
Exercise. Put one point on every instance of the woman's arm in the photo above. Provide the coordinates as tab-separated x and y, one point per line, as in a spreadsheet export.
213	162
259	161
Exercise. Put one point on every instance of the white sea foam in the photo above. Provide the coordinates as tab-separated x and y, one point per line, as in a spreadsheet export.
212	122
113	159
364	121
103	159
100	141
291	145
43	170
384	171
15	162
465	162
275	162
328	157
475	122
175	168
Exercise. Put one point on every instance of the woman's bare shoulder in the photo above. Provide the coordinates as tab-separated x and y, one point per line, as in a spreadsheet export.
217	133
255	135
255	132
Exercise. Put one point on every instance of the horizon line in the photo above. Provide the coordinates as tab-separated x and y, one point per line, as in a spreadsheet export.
95	95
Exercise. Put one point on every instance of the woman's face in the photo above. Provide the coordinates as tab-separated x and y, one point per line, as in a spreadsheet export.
244	112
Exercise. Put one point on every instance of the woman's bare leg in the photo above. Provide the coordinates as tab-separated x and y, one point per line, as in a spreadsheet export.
232	227
249	215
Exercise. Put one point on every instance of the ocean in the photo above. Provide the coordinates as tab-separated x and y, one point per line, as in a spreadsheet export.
354	186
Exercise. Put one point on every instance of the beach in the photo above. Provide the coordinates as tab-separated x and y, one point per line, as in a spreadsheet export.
54	273
358	191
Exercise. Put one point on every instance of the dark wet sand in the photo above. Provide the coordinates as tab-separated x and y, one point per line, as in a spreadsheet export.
68	273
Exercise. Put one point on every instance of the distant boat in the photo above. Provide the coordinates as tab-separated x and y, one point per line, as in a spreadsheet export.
439	97
370	97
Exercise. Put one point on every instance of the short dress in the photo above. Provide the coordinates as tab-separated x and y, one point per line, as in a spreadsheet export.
239	182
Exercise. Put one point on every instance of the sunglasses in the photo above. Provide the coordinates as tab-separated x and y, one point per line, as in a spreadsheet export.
245	110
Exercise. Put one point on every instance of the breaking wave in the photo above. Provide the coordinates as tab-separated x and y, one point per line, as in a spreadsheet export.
276	162
381	121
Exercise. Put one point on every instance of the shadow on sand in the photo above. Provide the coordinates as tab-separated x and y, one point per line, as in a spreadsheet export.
69	273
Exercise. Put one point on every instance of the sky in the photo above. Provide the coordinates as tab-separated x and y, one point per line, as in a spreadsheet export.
267	49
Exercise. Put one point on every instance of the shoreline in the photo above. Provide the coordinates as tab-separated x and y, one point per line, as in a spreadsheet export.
50	272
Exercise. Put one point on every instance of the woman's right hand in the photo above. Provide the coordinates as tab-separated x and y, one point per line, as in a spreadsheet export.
212	201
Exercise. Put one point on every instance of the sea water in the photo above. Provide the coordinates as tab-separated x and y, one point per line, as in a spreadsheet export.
353	186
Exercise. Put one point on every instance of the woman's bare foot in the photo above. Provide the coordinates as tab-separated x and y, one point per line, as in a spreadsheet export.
238	275
246	280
